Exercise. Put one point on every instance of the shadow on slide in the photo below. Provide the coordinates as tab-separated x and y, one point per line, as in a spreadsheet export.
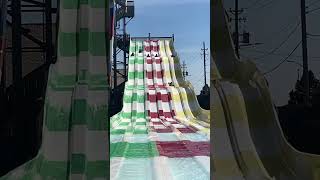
249	141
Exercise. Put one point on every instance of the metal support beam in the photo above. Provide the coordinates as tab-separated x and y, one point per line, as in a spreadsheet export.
124	41
54	10
48	30
118	51
115	62
121	2
35	2
117	71
45	44
16	41
25	32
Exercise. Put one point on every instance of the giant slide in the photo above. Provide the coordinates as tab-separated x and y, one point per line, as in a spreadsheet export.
75	129
249	141
161	132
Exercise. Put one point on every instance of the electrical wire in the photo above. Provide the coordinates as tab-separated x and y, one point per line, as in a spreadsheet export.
280	54
312	10
313	38
313	3
314	35
264	5
284	60
281	44
252	5
284	28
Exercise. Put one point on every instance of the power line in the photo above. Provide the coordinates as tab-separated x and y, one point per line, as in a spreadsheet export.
285	59
312	10
281	44
284	28
252	5
257	7
315	35
313	3
313	38
279	54
264	5
295	62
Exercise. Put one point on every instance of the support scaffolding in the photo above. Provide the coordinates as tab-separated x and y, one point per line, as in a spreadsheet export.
20	14
29	37
124	11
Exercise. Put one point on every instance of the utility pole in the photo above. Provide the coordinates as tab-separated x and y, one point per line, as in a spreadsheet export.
236	24
204	49
305	52
184	70
236	12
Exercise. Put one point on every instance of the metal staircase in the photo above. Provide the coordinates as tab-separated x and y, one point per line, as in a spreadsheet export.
123	42
125	10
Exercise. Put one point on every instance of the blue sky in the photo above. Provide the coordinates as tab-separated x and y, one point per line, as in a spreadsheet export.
189	20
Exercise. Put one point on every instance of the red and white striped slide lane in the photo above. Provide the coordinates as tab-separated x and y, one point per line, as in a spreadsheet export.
162	116
160	112
160	105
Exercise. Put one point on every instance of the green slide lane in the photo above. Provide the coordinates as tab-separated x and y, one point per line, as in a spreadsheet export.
74	143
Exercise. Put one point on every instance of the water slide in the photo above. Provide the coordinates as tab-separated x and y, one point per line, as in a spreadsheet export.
75	125
161	132
249	141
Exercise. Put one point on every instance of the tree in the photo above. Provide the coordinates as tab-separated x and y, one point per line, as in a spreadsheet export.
296	95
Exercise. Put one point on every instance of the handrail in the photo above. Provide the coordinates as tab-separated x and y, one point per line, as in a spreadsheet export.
152	38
